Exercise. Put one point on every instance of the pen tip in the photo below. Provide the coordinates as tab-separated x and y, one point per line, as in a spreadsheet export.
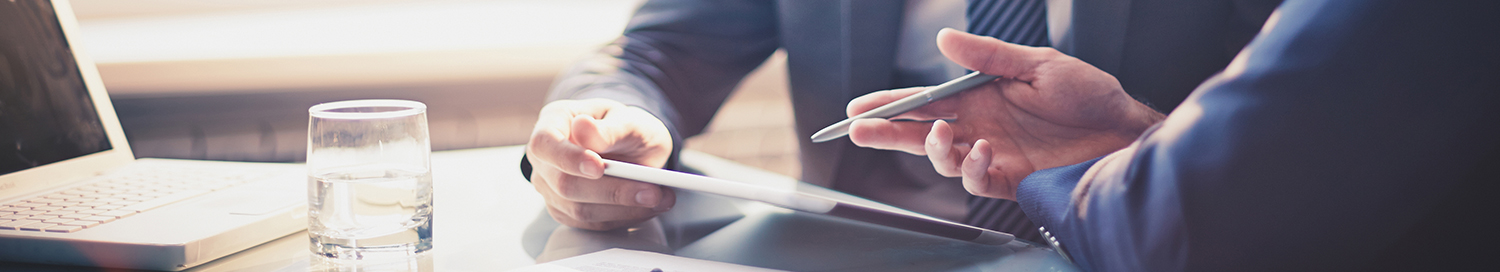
824	137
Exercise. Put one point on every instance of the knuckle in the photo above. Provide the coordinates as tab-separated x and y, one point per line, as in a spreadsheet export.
545	135
954	170
567	187
582	213
567	219
622	195
972	191
915	150
1050	52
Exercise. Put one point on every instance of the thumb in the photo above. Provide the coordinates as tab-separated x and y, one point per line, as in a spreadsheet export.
992	56
624	131
590	134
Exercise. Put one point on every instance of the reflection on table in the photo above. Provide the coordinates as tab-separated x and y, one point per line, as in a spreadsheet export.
488	218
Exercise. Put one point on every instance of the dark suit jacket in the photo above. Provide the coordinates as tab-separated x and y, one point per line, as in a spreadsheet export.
679	59
1352	135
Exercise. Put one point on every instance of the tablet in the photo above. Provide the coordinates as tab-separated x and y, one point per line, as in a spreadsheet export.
805	202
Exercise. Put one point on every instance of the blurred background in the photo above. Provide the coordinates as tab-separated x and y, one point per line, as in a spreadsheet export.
232	79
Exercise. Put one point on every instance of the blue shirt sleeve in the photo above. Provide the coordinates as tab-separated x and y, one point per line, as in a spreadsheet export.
1045	197
1349	135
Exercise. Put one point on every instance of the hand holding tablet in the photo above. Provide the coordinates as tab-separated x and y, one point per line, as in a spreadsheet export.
805	202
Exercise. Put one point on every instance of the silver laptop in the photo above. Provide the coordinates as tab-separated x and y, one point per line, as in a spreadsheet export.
72	193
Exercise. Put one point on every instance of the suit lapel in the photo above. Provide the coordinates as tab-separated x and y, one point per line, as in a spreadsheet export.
836	50
871	28
1097	33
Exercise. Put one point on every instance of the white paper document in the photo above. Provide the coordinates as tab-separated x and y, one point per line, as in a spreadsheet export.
625	260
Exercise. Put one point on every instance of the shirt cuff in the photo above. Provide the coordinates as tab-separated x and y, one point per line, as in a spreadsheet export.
1046	197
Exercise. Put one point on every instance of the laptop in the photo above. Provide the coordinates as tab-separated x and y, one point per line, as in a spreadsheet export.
72	193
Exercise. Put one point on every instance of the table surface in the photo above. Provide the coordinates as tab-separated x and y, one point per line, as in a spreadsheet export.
488	218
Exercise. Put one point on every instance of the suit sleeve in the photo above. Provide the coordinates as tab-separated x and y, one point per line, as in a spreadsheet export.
678	60
1344	133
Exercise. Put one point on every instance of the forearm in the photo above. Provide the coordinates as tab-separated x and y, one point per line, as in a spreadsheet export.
678	60
1318	148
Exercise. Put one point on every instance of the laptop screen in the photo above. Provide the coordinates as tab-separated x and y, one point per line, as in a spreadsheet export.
46	115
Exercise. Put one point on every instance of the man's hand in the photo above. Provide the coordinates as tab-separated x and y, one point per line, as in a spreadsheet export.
566	152
1048	110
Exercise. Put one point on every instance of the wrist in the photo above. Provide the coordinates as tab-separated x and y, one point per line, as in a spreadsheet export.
1138	119
655	139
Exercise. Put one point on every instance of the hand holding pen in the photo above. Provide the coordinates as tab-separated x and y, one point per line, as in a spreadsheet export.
1047	110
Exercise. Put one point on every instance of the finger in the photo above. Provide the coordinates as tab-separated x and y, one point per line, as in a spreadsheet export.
556	152
606	190
628	134
556	207
595	214
551	145
940	109
975	169
565	218
940	149
992	56
590	134
876	99
905	136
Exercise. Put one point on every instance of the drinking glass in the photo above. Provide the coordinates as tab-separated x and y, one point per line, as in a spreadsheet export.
369	179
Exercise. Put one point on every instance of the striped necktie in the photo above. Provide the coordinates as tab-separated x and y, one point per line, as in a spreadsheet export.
1021	22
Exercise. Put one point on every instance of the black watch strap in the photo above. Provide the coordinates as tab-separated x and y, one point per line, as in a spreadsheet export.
525	168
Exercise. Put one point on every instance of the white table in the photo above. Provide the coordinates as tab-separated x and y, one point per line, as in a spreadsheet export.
488	218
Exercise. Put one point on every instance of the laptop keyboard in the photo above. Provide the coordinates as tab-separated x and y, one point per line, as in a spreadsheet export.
118	196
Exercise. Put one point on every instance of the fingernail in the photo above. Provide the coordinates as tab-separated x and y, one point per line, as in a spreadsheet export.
973	155
647	198
589	169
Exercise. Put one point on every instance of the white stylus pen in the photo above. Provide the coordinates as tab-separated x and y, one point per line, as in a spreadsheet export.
905	104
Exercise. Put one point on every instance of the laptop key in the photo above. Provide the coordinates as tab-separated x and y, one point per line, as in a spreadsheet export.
17	224
29	204
83	223
100	219
37	226
64	228
92	211
118	213
59	213
164	200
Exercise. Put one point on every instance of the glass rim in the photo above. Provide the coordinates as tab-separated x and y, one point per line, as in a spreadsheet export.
324	110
